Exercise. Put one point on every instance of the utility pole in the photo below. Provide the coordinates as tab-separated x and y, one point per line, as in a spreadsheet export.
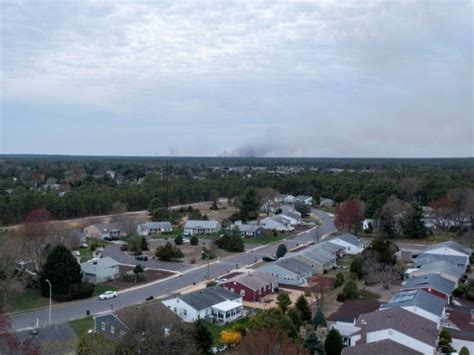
50	296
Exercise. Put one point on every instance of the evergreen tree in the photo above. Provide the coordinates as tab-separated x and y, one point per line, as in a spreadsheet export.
144	244
273	318
318	319
339	280
350	290
415	226
283	301
61	269
303	308
357	267
294	315
464	351
333	344
178	240
281	251
194	240
168	252
314	346
249	204
203	337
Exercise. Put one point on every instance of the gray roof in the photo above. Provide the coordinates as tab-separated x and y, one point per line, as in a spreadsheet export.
318	254
451	245
155	225
403	321
382	347
106	226
294	265
430	281
54	333
255	280
248	228
330	247
290	214
90	268
424	258
443	267
208	297
302	197
207	224
351	239
417	298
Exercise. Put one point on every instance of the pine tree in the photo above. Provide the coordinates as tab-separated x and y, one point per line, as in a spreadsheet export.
303	308
61	269
318	319
313	344
281	251
294	315
144	244
415	226
203	337
283	301
333	344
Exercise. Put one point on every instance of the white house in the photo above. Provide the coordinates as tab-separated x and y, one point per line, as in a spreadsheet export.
215	304
307	200
368	224
292	217
100	270
201	227
352	245
449	248
276	223
152	228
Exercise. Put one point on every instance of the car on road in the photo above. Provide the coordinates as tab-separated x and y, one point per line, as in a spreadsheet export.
331	215
186	240
269	258
107	295
124	247
141	258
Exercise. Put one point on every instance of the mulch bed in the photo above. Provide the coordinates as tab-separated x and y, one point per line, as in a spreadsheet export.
150	275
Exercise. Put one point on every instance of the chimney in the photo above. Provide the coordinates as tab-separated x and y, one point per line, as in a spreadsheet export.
363	332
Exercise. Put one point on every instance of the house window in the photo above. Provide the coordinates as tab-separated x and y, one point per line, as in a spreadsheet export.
242	293
185	312
102	326
175	310
112	330
122	333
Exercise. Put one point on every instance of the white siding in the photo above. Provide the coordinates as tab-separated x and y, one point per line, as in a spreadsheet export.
400	338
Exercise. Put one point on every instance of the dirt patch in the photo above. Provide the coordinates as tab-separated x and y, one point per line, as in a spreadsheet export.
150	275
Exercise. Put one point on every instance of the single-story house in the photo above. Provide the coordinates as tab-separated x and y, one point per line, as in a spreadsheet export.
247	230
319	259
288	271
276	223
99	270
152	228
215	304
307	200
449	248
201	227
382	347
252	286
352	245
326	202
335	250
283	198
116	325
460	326
419	302
103	229
292	217
400	326
432	283
368	224
457	260
442	268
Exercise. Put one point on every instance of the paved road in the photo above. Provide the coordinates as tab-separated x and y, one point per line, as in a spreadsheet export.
75	310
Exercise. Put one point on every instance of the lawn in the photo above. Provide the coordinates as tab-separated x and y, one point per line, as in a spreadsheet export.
216	329
86	254
25	300
99	289
266	239
81	326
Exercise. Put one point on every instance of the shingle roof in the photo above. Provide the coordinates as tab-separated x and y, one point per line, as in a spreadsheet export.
211	224
351	239
92	265
417	298
290	215
430	281
128	315
451	245
460	316
443	267
254	280
208	297
294	265
248	228
352	309
403	321
383	347
331	247
155	225
424	258
318	254
106	226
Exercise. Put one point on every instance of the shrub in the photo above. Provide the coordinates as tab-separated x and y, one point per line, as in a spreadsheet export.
178	240
138	269
340	297
339	280
168	252
281	251
350	290
76	292
211	284
194	240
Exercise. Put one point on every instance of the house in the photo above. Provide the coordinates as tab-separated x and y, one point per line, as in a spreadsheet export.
460	325
449	248
276	223
215	304
419	302
58	333
252	286
382	347
307	200
293	218
76	235
100	270
248	230
103	229
344	319
284	198
289	271
400	326
319	259
457	260
335	250
326	202
442	268
117	324
192	227
152	228
368	224
352	245
432	283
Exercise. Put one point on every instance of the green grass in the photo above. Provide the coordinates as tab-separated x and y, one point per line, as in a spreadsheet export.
25	300
217	329
86	254
99	289
81	326
266	239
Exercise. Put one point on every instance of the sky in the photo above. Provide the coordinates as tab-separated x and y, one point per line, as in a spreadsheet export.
237	78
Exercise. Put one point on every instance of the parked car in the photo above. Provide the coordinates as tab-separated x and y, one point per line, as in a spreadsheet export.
83	245
269	258
124	247
107	238
141	258
107	295
76	253
186	240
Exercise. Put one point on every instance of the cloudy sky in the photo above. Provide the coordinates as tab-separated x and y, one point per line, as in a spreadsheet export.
323	78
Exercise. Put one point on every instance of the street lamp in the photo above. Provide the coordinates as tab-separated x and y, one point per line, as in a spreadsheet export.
50	294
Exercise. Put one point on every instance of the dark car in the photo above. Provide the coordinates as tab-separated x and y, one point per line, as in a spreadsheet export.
141	258
124	247
269	258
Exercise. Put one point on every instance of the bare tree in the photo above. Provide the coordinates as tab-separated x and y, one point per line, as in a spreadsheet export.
394	216
349	215
409	187
127	222
442	213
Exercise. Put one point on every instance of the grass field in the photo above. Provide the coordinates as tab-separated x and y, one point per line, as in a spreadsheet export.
81	326
25	300
266	239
